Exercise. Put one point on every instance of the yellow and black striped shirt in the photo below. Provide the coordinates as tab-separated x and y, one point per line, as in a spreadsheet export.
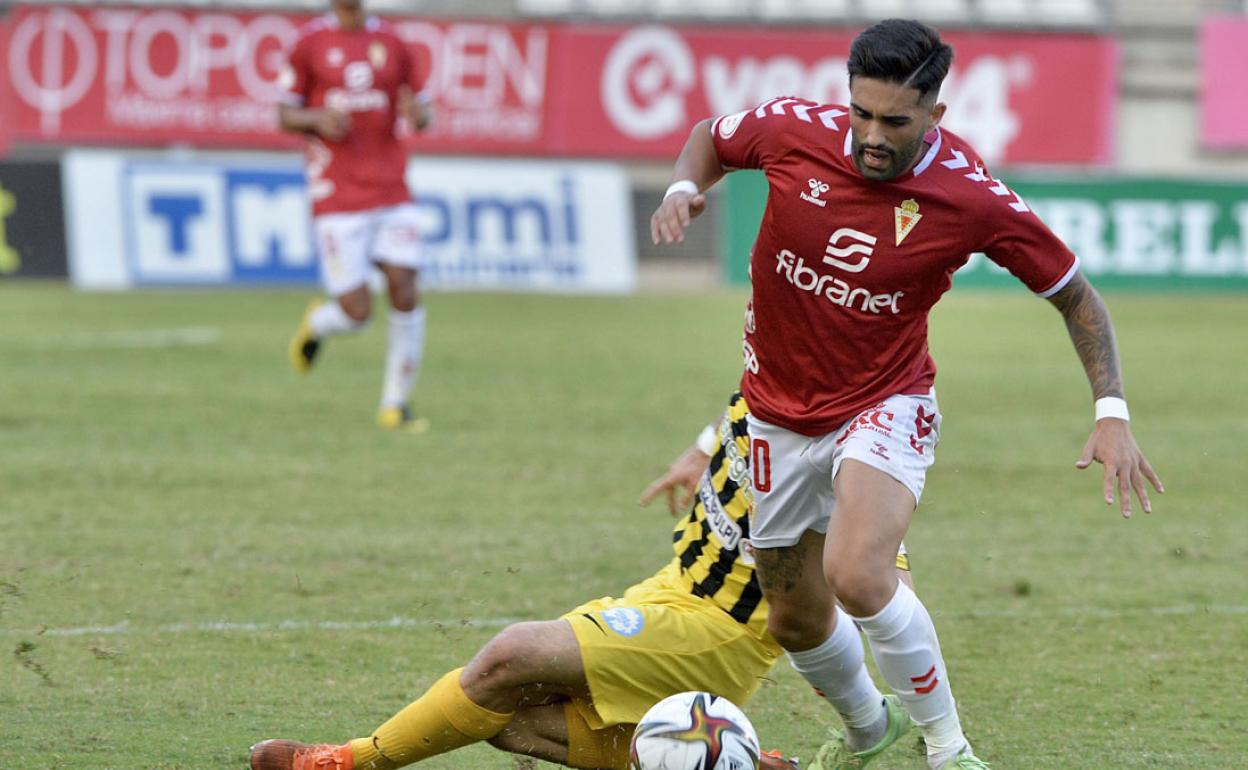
712	542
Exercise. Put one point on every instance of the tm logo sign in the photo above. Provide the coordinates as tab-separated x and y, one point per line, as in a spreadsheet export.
208	225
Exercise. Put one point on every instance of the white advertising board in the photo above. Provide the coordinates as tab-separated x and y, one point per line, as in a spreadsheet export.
136	220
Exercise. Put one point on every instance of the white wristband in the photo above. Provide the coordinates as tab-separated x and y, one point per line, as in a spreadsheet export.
683	185
1111	407
707	440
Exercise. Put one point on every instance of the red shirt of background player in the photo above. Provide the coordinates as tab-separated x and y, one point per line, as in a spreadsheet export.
845	269
359	72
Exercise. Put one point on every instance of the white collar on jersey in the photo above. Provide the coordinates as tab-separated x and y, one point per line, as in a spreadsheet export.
928	159
932	152
371	23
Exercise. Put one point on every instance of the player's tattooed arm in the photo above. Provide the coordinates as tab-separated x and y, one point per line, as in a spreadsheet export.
1111	442
1092	332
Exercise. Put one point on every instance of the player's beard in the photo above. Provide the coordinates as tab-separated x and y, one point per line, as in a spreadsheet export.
900	159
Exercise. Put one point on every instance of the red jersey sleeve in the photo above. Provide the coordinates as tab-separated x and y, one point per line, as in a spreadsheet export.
756	137
296	77
409	70
1018	240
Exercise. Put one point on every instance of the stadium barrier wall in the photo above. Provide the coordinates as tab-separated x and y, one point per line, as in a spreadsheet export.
6	108
151	76
1146	233
32	226
1223	98
138	219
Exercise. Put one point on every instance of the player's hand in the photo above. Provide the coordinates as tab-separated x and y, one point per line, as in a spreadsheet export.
1112	445
423	116
668	223
679	482
333	124
418	110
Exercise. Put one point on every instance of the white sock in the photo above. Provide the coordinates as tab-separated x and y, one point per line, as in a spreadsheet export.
937	759
837	671
903	641
405	349
330	319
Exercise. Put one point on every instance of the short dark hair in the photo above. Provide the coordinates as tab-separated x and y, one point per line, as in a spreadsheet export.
901	51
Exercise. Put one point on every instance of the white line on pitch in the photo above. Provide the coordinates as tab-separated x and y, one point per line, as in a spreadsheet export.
226	627
134	339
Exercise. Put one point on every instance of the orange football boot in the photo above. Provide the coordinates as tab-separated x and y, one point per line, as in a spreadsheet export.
774	760
292	755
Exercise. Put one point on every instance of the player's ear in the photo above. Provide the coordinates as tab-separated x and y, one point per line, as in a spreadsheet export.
938	112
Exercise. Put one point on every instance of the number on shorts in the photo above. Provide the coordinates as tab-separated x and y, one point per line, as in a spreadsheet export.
760	462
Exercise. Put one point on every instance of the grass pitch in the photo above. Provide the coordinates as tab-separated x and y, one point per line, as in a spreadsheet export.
203	549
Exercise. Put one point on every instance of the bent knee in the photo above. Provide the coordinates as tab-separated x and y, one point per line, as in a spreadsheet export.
357	312
797	627
863	591
404	298
504	661
357	304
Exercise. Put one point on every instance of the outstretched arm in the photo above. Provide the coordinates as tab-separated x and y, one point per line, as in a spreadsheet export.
697	168
684	474
325	122
1111	443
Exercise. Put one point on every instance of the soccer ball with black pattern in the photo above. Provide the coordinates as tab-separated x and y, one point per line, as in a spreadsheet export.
694	731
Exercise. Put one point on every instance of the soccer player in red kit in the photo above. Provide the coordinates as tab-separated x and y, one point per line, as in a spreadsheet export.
349	79
871	208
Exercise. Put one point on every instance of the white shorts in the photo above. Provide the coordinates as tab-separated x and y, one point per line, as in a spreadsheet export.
793	474
349	242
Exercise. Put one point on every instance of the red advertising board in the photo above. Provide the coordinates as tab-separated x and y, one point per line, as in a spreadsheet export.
153	76
1223	98
1016	98
6	111
131	76
123	75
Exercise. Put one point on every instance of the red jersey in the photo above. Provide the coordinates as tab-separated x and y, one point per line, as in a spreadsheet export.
845	269
359	72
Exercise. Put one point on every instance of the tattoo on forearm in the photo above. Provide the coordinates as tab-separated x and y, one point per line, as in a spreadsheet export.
779	569
1092	332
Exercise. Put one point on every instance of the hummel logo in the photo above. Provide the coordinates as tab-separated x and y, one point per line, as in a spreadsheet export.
817	188
923	422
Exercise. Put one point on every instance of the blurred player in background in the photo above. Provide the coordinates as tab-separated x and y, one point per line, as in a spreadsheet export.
348	80
871	209
572	690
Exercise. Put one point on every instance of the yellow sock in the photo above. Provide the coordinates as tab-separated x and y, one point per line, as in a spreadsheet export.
607	747
442	719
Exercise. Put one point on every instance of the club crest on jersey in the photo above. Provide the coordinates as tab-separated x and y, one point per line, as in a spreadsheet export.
906	216
625	621
377	54
817	188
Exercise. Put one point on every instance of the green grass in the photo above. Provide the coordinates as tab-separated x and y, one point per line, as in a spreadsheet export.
152	492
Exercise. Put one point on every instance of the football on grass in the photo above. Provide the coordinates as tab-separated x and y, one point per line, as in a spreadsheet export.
694	731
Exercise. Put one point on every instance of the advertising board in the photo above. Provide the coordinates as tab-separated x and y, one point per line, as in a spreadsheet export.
140	219
1128	232
32	228
208	78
